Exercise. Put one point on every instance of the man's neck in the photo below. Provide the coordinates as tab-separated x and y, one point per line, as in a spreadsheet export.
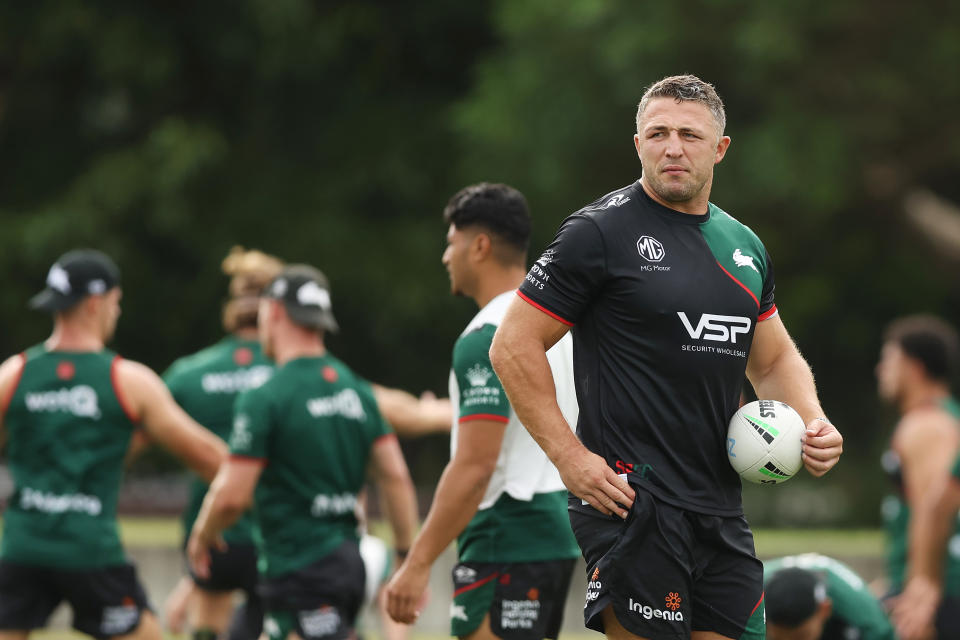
71	336
698	205
498	281
246	333
293	347
921	395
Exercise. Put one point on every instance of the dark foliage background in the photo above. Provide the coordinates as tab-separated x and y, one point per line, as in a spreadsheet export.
333	133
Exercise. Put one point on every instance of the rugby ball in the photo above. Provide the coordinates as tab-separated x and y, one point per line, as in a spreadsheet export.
763	442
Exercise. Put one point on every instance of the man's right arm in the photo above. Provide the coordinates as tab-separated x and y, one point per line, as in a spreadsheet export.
518	355
455	501
166	423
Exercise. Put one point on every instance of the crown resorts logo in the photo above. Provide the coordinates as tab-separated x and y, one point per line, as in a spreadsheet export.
478	375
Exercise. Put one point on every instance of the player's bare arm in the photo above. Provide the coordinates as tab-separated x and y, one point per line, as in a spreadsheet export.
166	423
777	371
397	495
411	416
926	441
931	525
230	495
518	355
9	376
459	493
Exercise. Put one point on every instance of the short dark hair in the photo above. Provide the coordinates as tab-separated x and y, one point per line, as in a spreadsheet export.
498	209
928	340
792	595
685	88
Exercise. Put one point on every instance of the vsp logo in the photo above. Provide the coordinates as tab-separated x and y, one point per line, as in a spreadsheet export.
716	328
650	248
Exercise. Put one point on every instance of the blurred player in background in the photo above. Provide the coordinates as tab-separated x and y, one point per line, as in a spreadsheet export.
917	362
69	409
206	384
813	597
671	301
498	496
933	532
301	446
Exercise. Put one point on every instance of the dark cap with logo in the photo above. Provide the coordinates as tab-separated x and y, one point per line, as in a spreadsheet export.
74	276
792	595
305	293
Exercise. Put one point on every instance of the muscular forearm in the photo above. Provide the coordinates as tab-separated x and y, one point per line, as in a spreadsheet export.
523	369
216	514
789	379
930	529
399	502
455	502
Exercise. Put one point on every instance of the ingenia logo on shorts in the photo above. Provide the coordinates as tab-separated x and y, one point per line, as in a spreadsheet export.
670	613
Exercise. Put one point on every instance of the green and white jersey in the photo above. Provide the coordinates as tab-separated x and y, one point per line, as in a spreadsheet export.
206	384
313	425
523	514
896	520
857	615
67	434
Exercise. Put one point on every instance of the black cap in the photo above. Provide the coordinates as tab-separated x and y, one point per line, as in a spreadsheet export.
792	595
74	276
305	293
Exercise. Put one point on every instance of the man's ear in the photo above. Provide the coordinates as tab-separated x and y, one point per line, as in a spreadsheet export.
825	609
481	246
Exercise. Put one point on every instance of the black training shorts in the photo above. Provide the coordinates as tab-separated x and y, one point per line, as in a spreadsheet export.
667	571
106	602
320	600
524	599
235	568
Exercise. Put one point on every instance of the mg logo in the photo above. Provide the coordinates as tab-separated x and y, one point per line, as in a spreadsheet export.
716	328
650	248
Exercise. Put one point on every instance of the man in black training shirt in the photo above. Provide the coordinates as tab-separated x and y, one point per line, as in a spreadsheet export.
671	303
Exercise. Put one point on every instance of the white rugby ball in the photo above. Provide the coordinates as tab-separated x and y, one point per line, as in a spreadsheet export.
763	441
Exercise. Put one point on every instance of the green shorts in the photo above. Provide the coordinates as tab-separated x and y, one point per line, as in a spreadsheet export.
525	600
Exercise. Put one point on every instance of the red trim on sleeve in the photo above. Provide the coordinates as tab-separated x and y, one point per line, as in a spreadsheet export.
772	311
478	583
239	457
135	419
545	310
757	605
745	288
484	416
13	388
384	437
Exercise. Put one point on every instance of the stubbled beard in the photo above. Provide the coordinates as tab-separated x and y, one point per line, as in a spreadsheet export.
685	194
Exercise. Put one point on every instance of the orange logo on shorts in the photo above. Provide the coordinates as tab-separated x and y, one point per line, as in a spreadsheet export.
596	574
673	601
533	594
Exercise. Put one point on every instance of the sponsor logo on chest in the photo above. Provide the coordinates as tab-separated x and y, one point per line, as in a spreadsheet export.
652	251
715	328
81	401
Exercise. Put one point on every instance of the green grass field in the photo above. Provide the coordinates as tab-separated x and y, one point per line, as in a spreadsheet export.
165	532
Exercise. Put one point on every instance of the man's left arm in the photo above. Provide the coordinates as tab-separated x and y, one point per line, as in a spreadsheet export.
229	496
777	371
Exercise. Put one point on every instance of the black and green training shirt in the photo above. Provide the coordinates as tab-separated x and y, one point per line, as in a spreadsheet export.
663	307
